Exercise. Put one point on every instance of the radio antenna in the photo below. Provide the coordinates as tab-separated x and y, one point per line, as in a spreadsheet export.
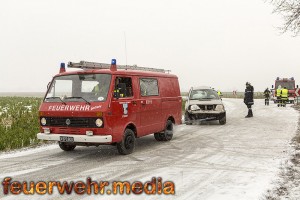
125	47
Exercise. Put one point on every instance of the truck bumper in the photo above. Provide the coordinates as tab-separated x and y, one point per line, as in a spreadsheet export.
77	138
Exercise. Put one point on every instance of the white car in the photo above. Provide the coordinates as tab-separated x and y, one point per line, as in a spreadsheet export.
204	104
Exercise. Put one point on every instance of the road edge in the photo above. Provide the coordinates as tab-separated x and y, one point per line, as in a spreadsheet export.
287	186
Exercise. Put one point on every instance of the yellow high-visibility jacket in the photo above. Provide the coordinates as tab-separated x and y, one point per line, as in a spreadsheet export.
278	93
284	93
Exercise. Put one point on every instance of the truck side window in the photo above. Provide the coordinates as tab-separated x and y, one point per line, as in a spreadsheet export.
149	87
124	85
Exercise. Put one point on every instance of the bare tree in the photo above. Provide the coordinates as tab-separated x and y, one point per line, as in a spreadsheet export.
290	10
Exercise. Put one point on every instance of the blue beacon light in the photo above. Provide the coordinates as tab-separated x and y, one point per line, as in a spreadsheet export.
62	68
113	66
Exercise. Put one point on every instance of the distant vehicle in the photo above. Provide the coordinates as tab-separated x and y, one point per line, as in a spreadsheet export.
204	104
289	83
104	105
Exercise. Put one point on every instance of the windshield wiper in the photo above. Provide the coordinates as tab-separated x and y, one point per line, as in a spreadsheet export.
79	98
57	98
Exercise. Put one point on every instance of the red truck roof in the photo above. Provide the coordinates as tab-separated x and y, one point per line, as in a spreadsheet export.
118	72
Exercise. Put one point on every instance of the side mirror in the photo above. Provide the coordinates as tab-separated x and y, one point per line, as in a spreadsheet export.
272	86
48	85
297	86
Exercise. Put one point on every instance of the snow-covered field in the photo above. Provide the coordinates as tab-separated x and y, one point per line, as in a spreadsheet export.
239	160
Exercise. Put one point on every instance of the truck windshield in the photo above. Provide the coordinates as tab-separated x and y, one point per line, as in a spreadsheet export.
79	87
290	85
203	94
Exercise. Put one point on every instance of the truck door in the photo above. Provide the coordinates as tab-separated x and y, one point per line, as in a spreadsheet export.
150	106
124	108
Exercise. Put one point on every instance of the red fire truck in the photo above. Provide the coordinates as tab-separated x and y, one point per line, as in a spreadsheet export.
109	104
289	83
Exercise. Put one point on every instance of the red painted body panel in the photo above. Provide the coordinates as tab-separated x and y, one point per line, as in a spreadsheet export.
146	114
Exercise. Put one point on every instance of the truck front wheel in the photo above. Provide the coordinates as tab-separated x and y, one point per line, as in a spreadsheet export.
127	145
66	147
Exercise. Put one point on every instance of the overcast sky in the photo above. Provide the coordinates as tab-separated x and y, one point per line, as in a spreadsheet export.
217	43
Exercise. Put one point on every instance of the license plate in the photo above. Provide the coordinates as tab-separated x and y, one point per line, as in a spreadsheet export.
66	139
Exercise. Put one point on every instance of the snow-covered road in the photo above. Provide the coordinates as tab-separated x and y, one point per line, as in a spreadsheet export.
236	161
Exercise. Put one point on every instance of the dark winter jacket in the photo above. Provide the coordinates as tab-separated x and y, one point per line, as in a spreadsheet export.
248	99
267	93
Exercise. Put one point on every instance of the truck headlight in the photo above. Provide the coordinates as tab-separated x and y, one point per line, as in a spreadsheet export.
219	108
43	121
99	122
195	107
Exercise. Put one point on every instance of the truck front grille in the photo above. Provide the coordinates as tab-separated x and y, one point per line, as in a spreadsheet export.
84	122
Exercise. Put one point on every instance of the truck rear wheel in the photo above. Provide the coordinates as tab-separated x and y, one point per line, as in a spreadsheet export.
66	147
158	136
167	135
127	145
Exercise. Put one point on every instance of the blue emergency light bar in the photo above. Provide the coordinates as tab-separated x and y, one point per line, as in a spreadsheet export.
113	61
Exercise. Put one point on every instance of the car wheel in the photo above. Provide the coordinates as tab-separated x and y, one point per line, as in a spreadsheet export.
188	123
187	119
127	145
66	147
222	121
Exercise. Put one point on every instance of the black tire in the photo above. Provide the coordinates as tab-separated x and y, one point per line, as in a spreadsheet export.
127	145
187	119
158	136
66	147
188	123
222	121
167	135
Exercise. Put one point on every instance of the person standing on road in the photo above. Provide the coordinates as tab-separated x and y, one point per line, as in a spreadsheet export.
278	96
284	96
220	93
267	96
248	99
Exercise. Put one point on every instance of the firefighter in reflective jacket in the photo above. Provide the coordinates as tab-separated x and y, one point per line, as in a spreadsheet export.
284	96
248	99
220	93
278	95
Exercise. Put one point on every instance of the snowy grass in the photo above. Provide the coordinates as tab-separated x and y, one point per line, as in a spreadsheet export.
18	122
288	184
